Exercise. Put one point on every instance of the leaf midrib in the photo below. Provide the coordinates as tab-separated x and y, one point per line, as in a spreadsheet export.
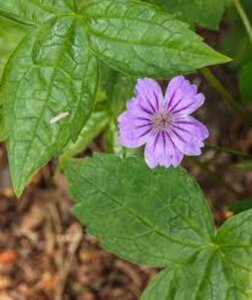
169	206
132	213
167	47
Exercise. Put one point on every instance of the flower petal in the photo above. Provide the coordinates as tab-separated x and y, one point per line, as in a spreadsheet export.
181	97
133	131
188	147
188	135
172	88
160	150
188	105
149	94
193	126
136	108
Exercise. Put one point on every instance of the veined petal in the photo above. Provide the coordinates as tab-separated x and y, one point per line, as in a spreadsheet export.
149	94
188	105
171	94
181	96
149	155
187	142
173	152
136	108
179	87
192	126
134	131
160	150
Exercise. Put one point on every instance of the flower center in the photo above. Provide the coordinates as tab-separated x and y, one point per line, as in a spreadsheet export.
162	120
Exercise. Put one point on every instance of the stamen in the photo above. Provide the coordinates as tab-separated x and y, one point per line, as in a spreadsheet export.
162	120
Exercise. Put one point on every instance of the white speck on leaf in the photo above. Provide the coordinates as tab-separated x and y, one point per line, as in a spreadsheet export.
60	116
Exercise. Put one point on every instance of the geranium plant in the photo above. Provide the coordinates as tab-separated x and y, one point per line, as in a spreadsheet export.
83	67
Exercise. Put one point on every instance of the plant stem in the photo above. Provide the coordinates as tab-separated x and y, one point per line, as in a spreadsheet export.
244	18
228	151
227	97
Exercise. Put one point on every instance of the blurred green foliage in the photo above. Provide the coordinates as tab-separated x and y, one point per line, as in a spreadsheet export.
206	13
236	44
10	35
241	206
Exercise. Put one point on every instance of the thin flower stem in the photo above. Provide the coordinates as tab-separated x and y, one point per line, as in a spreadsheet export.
227	97
244	18
228	151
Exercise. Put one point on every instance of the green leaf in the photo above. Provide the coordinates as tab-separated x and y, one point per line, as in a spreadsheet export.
202	12
221	272
35	11
148	216
208	277
245	75
141	40
48	87
235	240
10	35
94	126
118	88
159	217
3	134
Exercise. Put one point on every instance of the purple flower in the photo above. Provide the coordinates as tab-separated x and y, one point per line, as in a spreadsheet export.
162	122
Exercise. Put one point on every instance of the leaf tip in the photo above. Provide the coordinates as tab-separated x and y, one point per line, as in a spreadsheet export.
222	59
18	190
